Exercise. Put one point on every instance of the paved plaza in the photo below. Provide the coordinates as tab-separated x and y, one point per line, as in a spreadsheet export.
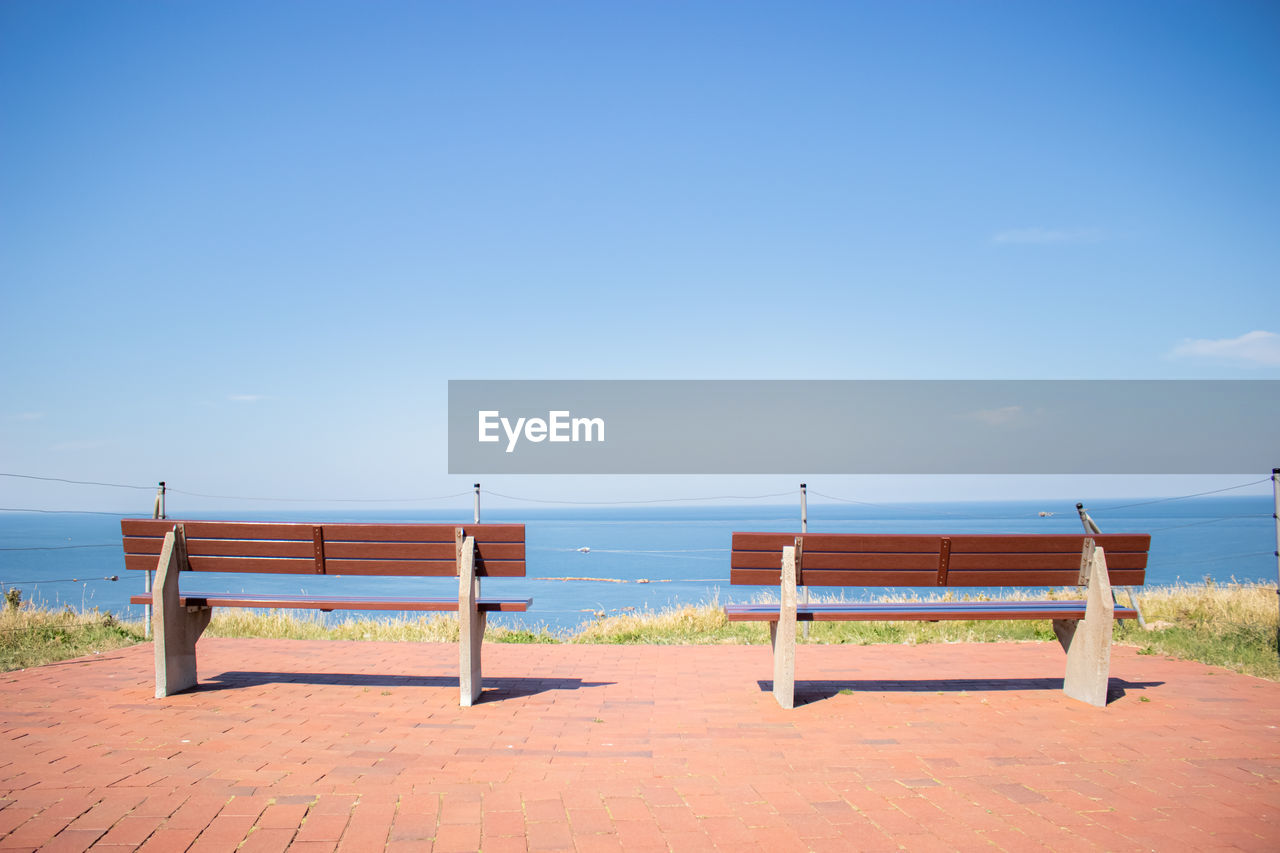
322	746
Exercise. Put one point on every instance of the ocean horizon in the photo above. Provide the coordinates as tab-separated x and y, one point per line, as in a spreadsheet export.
641	557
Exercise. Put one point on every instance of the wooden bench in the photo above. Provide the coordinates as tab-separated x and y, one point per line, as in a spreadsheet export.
171	548
882	560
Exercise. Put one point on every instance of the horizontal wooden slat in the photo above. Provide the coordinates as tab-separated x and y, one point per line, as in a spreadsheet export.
336	532
327	603
1037	562
1122	577
838	542
1046	543
422	532
914	611
218	529
284	566
227	547
820	561
767	577
423	568
418	550
281	566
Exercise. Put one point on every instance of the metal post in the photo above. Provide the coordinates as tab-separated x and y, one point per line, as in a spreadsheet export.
477	512
1091	527
804	528
1275	490
157	511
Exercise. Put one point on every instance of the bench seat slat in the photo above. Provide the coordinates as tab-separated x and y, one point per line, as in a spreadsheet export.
328	602
920	611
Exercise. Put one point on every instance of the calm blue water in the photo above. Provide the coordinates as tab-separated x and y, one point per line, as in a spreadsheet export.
682	551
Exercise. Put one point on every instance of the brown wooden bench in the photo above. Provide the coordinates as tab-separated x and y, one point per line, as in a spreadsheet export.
402	550
884	560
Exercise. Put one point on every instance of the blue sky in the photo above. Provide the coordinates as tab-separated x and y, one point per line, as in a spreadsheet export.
244	246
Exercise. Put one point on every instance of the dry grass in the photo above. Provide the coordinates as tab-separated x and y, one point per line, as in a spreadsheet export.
31	636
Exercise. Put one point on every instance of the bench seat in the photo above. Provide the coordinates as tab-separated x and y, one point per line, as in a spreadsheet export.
330	603
919	611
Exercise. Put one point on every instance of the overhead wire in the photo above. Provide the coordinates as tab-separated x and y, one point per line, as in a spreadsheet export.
59	547
75	482
641	501
171	490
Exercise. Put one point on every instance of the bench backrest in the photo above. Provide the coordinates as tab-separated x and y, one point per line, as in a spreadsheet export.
856	559
428	550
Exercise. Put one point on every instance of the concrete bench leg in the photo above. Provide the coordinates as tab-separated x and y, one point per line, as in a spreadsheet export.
782	634
471	623
1087	642
175	628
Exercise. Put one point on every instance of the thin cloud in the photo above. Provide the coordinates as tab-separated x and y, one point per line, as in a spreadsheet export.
246	398
1046	236
26	416
1256	348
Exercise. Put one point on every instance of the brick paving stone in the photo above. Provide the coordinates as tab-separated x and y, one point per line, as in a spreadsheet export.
363	747
167	840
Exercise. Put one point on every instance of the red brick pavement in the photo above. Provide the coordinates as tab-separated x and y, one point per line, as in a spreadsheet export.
324	746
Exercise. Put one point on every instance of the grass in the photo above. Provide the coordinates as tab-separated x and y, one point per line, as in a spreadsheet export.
30	636
1230	625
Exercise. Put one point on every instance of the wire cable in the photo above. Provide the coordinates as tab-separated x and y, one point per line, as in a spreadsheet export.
1206	521
76	482
903	507
61	580
174	491
57	547
66	511
642	501
1180	497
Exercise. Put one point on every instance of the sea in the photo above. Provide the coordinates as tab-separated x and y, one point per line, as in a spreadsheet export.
589	562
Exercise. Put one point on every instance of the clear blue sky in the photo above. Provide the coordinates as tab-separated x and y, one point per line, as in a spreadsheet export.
243	246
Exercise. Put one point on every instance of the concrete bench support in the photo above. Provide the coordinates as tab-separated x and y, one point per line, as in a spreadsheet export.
782	634
1087	641
175	627
471	622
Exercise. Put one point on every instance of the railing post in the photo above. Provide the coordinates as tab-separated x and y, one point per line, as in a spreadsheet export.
804	528
1091	527
1275	515
156	512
